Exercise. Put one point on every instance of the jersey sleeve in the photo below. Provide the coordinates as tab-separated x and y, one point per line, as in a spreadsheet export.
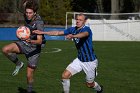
87	29
67	31
40	25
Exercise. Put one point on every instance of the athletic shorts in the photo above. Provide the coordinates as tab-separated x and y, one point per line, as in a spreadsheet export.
32	52
90	68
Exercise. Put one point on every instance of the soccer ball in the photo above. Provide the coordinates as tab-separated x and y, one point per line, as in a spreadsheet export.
23	33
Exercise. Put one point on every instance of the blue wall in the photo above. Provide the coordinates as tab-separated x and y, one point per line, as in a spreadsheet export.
10	34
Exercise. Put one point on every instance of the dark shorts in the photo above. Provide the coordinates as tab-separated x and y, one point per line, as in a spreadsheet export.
32	52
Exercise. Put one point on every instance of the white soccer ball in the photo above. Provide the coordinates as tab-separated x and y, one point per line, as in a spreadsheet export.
23	33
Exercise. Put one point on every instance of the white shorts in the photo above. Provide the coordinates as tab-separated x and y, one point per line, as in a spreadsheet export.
90	68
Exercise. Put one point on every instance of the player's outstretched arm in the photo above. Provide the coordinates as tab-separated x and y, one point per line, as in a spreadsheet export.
81	35
52	33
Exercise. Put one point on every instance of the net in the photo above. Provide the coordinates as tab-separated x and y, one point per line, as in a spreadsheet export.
110	27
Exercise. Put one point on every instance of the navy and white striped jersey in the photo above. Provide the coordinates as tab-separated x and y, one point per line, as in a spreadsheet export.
83	45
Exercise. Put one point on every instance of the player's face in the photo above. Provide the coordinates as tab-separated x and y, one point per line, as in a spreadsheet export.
80	21
29	14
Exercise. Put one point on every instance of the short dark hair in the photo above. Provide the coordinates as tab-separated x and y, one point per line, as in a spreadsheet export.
81	14
31	5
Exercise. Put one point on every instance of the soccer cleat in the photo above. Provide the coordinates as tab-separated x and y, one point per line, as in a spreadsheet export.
29	90
101	91
18	67
65	92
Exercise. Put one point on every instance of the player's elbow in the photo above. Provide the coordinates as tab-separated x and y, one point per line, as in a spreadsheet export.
5	50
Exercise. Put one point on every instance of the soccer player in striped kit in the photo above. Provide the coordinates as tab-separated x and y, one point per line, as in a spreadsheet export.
86	59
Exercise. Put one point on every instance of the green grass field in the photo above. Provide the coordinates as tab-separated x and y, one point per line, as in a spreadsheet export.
118	71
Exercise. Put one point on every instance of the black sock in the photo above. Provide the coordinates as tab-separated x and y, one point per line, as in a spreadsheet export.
13	58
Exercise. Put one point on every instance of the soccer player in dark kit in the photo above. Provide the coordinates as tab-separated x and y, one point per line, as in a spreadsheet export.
31	47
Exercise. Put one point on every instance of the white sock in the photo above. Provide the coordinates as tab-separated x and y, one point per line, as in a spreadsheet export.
66	85
97	86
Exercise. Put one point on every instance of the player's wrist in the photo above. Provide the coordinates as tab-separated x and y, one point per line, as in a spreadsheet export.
28	40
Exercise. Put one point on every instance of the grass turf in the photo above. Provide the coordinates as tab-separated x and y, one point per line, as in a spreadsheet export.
118	69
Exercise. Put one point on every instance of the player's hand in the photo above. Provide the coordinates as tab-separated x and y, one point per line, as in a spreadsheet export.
28	40
22	39
37	32
70	36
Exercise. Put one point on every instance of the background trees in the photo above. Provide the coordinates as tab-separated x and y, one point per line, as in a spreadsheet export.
53	11
136	5
7	6
84	6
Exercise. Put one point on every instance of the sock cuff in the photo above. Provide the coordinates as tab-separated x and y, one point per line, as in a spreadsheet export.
95	84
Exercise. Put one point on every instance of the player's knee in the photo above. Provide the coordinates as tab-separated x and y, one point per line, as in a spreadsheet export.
5	50
90	85
66	75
